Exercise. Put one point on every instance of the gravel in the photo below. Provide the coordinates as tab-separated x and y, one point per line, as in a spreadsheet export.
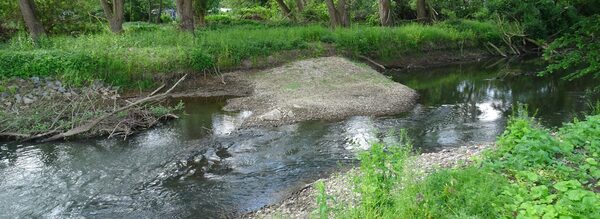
326	88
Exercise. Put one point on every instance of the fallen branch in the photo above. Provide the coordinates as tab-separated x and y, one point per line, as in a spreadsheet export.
87	127
498	50
372	62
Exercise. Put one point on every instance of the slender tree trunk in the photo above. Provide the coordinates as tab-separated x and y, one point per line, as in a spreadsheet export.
33	24
422	11
201	8
115	14
186	13
149	10
385	15
285	9
344	16
300	5
160	6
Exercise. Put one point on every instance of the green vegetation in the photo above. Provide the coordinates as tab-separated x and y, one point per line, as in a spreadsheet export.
74	41
145	51
533	172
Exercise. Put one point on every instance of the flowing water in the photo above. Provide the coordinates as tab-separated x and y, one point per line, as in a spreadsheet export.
204	166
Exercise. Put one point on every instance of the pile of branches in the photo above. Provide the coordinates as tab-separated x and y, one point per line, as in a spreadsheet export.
85	114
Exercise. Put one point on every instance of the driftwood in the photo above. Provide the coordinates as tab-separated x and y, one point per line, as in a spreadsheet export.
372	62
497	49
87	127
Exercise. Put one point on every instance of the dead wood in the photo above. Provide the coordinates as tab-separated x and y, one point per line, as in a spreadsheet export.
91	124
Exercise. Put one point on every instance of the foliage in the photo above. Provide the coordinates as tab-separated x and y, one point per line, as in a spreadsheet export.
540	18
533	173
383	42
58	17
315	12
255	13
144	50
579	50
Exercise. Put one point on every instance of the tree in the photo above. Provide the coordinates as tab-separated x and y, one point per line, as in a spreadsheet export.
338	15
201	7
385	15
185	12
425	13
285	9
115	14
300	5
31	21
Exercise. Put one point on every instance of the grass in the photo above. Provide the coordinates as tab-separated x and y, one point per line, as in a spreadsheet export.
533	173
143	52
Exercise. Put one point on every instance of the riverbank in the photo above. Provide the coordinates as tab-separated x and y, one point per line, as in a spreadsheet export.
302	203
45	109
139	58
532	171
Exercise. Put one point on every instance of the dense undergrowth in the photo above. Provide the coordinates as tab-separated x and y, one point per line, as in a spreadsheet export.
132	59
533	172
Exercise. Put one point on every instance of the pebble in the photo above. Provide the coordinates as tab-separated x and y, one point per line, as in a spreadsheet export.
27	100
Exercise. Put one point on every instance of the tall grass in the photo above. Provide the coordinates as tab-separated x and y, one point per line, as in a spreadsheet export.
145	51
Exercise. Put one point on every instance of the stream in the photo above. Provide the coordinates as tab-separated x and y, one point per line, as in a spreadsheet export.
203	165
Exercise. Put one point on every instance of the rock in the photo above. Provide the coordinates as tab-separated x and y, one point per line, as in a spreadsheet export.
18	98
7	103
36	80
61	89
3	95
272	115
27	100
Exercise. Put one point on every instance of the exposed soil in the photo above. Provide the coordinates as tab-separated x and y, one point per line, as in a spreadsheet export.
302	204
436	58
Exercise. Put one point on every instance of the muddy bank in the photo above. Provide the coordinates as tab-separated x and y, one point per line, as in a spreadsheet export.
436	58
320	89
302	204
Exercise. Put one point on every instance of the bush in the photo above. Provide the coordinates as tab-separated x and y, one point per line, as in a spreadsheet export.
200	60
255	13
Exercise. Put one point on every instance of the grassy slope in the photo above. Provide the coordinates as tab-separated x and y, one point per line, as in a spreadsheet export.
533	173
143	51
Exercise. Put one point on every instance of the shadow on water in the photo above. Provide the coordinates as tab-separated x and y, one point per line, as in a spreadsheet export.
204	165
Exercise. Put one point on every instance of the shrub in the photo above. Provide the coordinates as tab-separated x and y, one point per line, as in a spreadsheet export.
200	60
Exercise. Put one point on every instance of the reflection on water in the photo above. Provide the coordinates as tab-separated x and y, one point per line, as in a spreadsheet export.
224	124
204	165
468	104
360	133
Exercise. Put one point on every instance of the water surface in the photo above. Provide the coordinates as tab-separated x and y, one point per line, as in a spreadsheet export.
203	165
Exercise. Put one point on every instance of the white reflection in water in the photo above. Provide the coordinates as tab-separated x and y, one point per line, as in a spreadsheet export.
488	112
223	124
360	133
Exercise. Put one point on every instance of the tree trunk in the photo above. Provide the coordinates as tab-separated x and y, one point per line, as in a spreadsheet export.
33	24
385	15
114	14
344	17
333	15
201	8
285	9
186	14
422	11
300	5
160	6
